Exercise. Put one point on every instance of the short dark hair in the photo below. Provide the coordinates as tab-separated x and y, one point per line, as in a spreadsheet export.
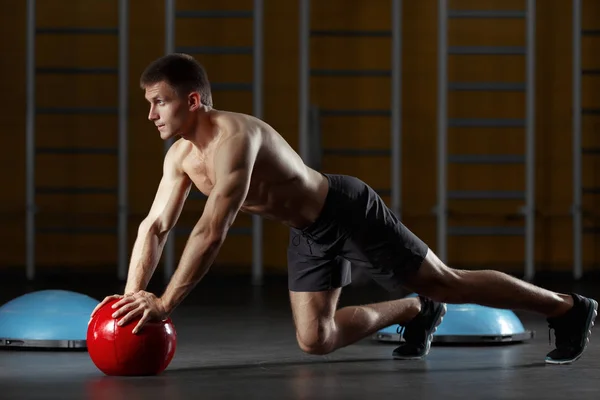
182	72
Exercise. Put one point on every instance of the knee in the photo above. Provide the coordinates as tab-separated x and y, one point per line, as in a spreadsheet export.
317	338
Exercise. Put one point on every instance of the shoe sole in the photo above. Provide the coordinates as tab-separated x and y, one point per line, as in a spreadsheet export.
589	325
437	321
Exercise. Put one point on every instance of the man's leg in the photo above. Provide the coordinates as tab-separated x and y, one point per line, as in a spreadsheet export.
571	316
321	328
439	282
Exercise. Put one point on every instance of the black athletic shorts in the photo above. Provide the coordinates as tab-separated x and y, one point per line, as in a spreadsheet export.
354	227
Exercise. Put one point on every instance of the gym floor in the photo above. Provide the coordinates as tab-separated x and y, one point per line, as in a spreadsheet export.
236	341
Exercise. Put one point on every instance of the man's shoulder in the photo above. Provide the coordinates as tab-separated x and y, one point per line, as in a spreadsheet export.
177	152
219	114
236	122
178	148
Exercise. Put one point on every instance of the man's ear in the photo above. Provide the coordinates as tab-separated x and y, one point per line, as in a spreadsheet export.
194	101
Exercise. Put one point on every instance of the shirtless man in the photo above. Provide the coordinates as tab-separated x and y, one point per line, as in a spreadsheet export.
242	164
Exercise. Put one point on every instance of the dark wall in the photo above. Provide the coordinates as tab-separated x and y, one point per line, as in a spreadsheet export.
419	85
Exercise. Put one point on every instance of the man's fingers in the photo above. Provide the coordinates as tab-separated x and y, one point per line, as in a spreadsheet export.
141	323
125	309
129	316
102	303
124	300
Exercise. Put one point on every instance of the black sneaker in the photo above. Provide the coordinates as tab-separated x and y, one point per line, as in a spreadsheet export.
572	330
418	333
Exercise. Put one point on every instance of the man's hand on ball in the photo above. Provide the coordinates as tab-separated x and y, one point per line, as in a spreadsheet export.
103	302
140	304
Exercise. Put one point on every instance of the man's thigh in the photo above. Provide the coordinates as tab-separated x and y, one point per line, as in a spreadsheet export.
316	274
313	266
384	247
311	310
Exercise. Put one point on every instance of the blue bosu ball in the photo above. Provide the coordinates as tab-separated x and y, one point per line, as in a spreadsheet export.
47	319
470	323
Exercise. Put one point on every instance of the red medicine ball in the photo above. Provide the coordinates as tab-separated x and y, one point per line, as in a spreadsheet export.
115	350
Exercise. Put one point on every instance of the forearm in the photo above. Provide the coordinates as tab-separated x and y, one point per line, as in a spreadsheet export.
199	254
146	253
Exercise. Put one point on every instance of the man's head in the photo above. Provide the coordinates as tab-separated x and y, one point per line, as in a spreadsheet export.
176	86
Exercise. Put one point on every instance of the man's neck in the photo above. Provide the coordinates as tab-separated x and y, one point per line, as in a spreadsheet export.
205	130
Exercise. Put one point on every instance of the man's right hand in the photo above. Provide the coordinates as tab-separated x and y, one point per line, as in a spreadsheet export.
106	300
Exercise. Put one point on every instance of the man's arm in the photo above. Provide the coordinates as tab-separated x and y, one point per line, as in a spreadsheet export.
153	231
234	163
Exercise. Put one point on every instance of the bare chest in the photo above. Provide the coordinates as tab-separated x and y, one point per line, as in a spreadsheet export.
201	172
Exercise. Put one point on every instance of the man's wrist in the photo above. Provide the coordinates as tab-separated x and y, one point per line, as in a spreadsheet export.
167	304
130	291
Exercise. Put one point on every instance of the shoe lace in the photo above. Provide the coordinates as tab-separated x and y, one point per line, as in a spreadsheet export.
400	331
550	329
412	330
411	343
307	237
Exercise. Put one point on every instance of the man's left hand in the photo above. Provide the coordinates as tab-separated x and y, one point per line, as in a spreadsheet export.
141	304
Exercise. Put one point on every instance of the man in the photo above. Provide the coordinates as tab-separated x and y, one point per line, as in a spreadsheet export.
242	164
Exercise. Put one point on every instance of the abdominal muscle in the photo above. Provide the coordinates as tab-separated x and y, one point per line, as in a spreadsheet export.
294	202
283	188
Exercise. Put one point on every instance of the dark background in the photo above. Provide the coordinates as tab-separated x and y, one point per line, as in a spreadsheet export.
553	119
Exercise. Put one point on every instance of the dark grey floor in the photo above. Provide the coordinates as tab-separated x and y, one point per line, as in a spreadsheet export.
238	342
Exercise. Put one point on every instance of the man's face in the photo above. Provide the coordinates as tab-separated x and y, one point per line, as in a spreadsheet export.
170	113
